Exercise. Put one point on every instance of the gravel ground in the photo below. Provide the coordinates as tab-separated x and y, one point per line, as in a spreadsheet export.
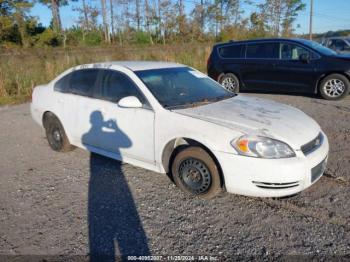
80	204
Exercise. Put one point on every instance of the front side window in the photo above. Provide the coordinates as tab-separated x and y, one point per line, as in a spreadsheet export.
262	50
83	81
292	51
232	51
115	86
182	87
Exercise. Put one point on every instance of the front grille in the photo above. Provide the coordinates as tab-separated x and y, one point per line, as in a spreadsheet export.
312	145
267	185
318	170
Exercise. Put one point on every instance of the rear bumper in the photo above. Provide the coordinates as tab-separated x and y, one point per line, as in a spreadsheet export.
272	177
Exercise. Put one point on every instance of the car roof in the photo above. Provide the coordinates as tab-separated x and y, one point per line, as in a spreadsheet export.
338	37
299	40
142	65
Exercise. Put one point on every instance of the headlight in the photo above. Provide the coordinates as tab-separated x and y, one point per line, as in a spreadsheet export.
263	147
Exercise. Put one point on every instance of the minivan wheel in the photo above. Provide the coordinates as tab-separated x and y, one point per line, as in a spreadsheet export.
56	135
230	82
334	87
195	173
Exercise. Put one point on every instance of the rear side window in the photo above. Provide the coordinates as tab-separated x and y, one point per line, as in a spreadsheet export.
262	50
83	81
115	86
62	85
232	51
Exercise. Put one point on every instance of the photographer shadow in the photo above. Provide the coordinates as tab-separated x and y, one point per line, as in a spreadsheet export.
115	228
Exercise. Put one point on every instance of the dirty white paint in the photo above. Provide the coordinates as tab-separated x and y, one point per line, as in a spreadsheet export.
144	133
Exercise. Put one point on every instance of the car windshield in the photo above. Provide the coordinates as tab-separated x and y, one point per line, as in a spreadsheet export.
182	87
318	47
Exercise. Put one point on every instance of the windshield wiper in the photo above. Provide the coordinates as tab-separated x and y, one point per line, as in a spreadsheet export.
204	101
191	104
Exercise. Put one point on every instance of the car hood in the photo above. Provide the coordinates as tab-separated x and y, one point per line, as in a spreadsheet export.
256	116
343	56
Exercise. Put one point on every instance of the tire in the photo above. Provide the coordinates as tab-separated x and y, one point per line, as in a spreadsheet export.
334	87
195	173
55	134
230	82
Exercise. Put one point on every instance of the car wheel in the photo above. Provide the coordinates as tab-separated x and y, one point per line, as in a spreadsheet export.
55	134
195	173
334	87
230	82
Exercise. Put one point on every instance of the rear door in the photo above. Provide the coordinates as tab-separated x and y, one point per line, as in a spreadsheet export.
81	86
258	72
292	74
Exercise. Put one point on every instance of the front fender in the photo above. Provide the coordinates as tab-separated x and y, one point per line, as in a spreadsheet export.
170	126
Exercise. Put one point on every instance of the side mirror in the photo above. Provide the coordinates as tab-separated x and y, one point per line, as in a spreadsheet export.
305	58
130	102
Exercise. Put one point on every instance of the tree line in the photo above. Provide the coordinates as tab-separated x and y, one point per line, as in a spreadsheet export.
147	21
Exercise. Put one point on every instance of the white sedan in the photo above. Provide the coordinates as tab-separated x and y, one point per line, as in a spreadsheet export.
173	119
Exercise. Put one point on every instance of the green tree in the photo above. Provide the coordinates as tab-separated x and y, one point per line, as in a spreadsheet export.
55	5
279	15
15	21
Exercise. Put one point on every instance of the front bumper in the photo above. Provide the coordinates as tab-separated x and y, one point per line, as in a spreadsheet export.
272	177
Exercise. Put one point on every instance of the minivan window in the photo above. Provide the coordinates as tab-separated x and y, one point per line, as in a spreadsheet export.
262	50
115	86
318	47
292	52
232	51
83	81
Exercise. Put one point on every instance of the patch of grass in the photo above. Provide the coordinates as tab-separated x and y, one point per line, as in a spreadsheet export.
12	100
23	69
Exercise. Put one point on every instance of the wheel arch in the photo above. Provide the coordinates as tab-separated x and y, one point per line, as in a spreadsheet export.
175	145
236	73
323	76
46	115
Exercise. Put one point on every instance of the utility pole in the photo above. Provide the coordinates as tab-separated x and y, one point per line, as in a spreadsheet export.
202	15
311	15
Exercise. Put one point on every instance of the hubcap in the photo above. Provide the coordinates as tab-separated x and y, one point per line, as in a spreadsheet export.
195	175
56	135
229	84
334	87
